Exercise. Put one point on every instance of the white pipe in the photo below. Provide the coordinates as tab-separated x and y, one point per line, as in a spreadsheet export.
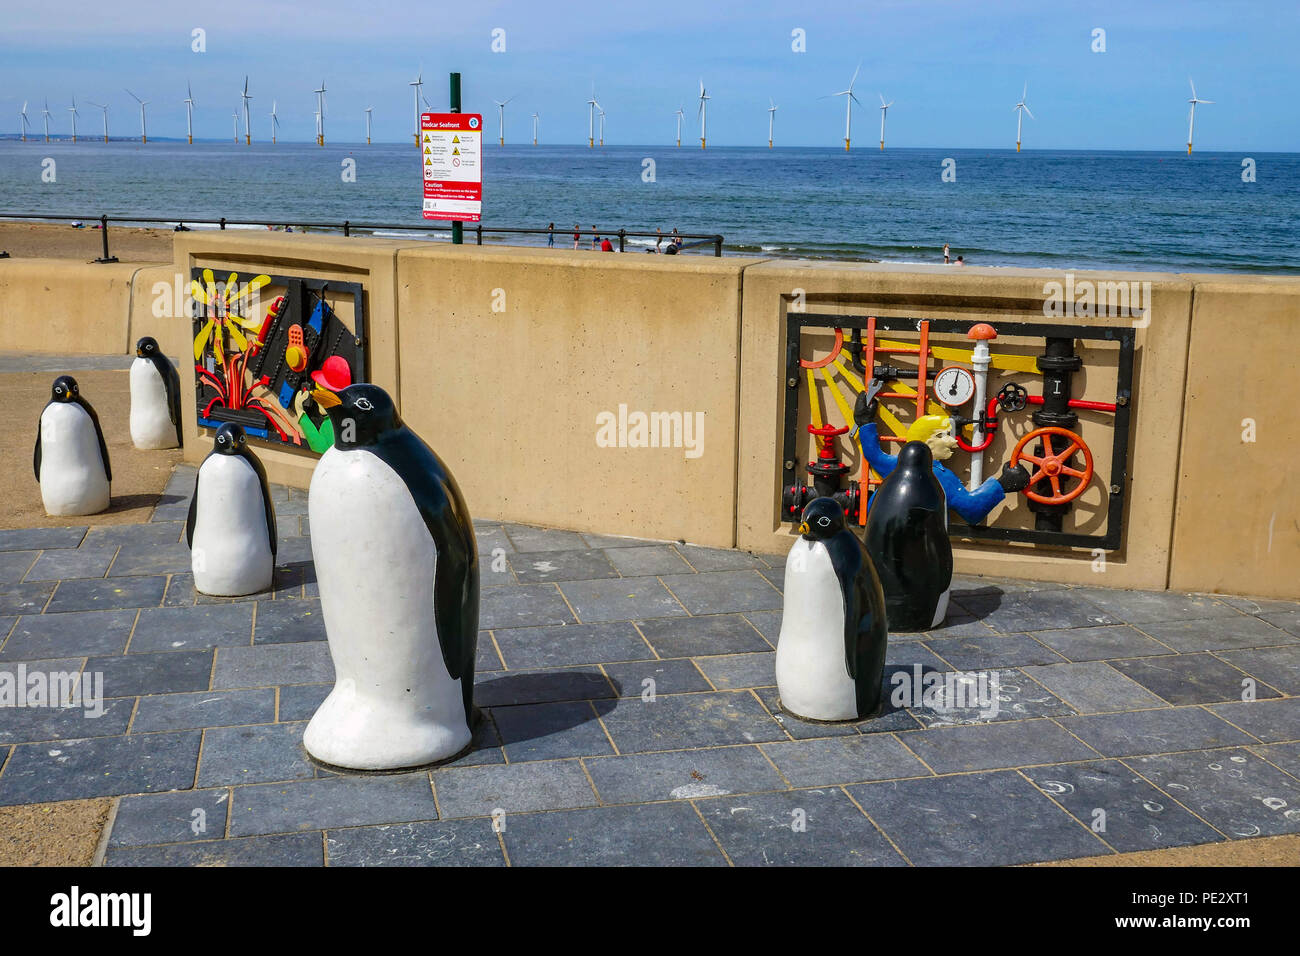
980	363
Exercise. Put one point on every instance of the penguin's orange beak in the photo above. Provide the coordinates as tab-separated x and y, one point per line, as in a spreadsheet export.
325	398
803	527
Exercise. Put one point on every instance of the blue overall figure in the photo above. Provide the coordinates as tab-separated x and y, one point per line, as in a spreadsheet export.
937	432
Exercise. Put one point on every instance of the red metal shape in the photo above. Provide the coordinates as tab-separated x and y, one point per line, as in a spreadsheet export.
1052	465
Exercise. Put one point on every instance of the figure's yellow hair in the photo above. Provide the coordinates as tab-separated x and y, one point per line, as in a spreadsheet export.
927	425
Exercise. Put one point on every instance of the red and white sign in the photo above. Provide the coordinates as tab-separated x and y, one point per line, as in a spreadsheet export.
451	152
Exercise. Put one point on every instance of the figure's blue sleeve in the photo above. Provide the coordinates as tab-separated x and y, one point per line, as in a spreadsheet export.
869	439
973	506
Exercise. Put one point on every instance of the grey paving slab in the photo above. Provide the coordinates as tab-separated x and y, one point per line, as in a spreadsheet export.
1194	678
1092	687
41	539
507	688
609	541
212	708
74	634
289	622
992	650
71	563
14	565
181	816
657	834
484	747
775	577
1154	731
523	606
192	628
956	624
768	623
1256	605
1288	621
91	718
99	767
557	646
1019	743
172	558
1218	633
287	582
540	566
1011	612
1269	720
550	731
1283	756
486	658
656	559
263	665
165	673
722	592
93	594
512	788
622	599
454	843
739	671
1148	607
708	634
525	539
489	538
300	701
1276	666
331	802
911	653
293	849
715	559
682	775
974	697
982	819
676	722
1120	807
19	669
263	754
1101	643
1233	790
805	730
644	678
25	598
839	760
133	536
803	828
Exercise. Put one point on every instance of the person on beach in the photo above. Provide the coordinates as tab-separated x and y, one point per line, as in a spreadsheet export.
550	235
606	245
961	261
595	239
945	254
659	240
577	234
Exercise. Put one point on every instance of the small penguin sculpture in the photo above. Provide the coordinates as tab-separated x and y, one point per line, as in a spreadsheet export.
70	459
155	398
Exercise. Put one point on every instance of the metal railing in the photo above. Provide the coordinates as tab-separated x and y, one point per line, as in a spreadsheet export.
690	240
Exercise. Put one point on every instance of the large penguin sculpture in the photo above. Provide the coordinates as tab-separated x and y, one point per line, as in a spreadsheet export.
397	567
830	655
907	538
155	398
231	525
70	459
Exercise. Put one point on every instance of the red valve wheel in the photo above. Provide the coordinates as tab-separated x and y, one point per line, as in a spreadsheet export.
1052	465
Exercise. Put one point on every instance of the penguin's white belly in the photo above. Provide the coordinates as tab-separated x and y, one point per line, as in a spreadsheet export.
941	606
812	676
73	481
394	704
151	421
231	547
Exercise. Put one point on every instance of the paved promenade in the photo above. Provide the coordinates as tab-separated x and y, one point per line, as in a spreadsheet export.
630	717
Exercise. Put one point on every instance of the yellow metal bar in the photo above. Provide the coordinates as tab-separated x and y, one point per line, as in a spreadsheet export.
814	406
840	400
1008	363
848	376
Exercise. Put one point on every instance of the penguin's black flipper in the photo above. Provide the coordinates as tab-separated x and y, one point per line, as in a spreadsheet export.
271	530
194	512
36	455
865	630
172	379
99	434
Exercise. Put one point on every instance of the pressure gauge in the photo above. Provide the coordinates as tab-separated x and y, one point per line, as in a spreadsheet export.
954	386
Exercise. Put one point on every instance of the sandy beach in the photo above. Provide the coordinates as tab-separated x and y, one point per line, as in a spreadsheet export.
42	240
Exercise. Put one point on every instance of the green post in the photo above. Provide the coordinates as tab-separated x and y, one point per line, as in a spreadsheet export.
457	229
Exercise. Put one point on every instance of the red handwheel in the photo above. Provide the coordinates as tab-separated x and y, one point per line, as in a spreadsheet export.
1052	465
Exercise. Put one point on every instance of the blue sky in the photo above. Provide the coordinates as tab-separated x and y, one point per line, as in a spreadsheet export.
953	69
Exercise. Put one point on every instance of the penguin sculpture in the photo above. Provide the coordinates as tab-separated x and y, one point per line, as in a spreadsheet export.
397	567
830	655
71	460
231	525
907	538
155	398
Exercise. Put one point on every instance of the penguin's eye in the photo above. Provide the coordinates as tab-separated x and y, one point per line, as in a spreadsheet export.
242	440
823	521
59	390
364	404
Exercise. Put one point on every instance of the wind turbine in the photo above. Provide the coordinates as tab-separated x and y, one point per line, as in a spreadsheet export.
45	115
1021	108
848	105
235	116
771	115
275	122
415	84
73	110
189	113
679	114
535	118
592	106
320	114
501	119
602	125
369	110
703	113
248	130
144	136
105	109
884	110
1191	117
23	114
